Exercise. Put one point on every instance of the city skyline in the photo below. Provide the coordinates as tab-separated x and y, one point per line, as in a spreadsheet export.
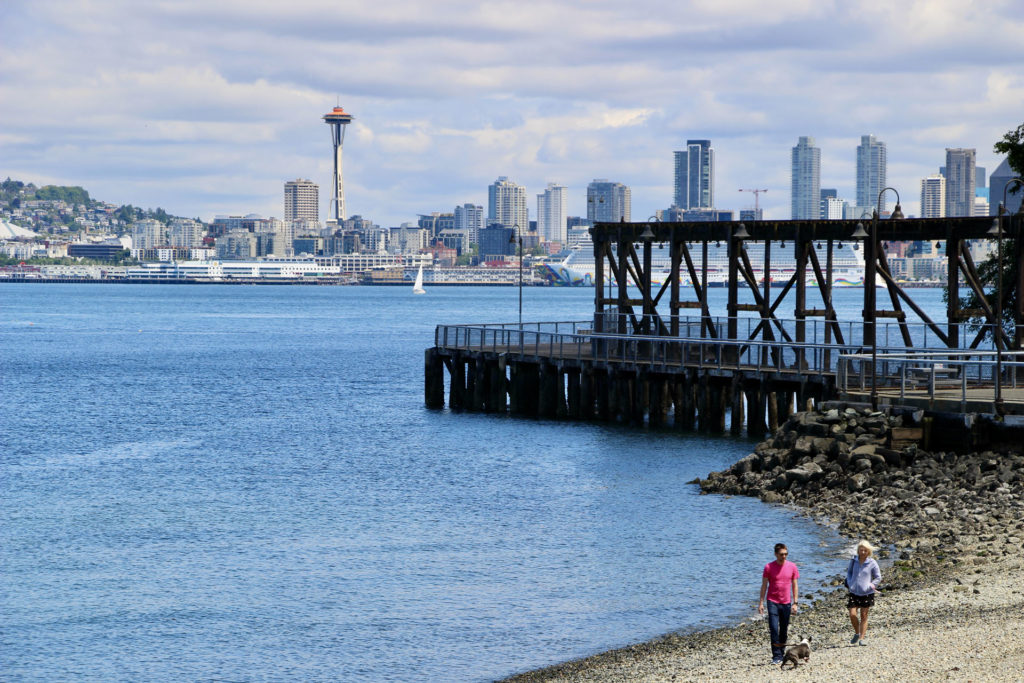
207	108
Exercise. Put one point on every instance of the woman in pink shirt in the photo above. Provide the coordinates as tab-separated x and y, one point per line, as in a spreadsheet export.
779	586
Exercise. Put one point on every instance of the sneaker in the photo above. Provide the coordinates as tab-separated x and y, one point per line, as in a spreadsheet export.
856	637
777	660
863	641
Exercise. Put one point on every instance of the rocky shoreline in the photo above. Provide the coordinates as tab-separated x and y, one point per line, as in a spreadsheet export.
955	522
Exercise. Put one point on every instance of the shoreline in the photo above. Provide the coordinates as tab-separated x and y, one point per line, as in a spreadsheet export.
950	606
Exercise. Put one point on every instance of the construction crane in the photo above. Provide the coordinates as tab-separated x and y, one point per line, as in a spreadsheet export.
757	203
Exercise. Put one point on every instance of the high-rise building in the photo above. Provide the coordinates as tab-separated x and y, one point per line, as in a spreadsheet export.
301	200
805	185
826	194
470	218
997	187
551	212
870	171
695	176
185	232
608	202
149	233
960	178
833	208
933	197
506	204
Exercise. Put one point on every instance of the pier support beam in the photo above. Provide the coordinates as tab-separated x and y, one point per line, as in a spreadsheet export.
433	379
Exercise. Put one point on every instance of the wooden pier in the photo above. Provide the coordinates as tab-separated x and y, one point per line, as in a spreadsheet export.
643	360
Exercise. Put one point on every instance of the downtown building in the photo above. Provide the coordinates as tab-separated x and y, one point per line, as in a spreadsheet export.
933	196
960	182
301	200
551	213
506	204
469	218
805	180
608	202
997	184
871	166
695	176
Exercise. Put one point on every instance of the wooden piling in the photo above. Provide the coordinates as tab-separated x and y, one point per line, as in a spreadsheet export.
433	379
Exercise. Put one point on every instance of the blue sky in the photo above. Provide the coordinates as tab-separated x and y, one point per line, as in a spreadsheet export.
208	107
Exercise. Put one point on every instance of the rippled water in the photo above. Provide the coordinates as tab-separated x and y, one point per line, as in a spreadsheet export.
242	483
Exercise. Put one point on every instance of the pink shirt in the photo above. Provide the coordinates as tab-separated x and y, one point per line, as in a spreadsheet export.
780	581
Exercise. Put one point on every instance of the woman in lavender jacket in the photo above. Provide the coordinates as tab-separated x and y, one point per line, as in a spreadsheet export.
862	579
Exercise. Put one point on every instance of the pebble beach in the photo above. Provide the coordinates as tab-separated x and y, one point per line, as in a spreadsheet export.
951	605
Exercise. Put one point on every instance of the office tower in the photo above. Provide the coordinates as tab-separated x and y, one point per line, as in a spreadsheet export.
470	218
338	120
997	186
506	204
806	180
695	176
870	171
833	208
959	182
826	194
608	202
301	200
551	211
933	197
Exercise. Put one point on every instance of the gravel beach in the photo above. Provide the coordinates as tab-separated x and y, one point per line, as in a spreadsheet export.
952	603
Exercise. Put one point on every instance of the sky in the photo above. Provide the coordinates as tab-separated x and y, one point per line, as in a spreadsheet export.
207	107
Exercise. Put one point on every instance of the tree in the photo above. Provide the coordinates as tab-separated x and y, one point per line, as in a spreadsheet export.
1012	145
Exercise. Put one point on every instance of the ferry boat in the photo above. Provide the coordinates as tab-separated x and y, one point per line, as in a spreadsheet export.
578	267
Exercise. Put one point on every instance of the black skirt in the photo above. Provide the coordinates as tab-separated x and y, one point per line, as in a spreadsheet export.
860	601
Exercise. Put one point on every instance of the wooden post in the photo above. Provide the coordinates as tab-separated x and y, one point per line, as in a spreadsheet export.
479	383
558	378
953	289
457	385
514	388
499	387
572	378
756	425
702	402
433	379
736	424
771	398
587	392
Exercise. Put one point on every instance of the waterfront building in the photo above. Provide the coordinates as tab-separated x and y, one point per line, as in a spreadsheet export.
997	184
871	167
506	204
805	185
608	201
695	176
469	218
301	200
551	212
960	178
933	197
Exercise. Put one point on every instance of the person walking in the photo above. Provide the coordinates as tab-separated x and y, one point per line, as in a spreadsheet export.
862	579
779	588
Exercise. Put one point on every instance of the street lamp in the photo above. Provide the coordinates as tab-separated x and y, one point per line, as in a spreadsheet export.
997	331
869	286
516	236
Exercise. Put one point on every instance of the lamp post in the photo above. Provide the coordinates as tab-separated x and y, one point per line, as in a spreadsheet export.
871	264
997	325
517	237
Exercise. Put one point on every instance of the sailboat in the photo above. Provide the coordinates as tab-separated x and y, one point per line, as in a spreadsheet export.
418	287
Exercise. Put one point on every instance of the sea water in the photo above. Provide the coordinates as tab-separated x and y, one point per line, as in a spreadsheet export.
242	483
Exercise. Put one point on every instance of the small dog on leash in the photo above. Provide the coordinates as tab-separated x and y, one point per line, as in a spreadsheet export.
802	650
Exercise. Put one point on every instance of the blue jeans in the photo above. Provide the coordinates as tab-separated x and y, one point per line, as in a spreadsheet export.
778	626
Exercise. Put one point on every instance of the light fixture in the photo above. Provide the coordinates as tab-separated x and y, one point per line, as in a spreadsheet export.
860	233
897	213
647	235
994	230
741	232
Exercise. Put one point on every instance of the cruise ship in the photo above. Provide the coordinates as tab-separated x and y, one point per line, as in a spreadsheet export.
847	264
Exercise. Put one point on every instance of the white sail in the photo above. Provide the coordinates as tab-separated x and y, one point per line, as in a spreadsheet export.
418	287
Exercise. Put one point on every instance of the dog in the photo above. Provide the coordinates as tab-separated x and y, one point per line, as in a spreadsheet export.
802	650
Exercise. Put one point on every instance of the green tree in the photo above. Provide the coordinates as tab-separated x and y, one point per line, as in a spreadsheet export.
989	273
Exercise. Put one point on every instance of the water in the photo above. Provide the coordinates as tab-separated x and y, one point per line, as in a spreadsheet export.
242	483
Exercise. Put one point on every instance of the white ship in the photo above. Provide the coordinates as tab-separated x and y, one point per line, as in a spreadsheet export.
578	267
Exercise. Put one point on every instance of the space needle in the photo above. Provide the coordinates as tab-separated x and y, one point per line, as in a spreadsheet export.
337	119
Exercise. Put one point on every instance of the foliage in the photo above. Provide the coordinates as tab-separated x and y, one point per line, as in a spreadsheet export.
989	273
71	194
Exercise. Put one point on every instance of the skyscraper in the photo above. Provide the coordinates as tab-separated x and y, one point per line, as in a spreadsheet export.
960	178
470	218
551	212
695	176
506	204
933	197
805	185
997	185
870	170
608	202
301	200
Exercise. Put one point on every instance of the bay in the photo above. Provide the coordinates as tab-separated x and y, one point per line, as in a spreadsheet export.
210	482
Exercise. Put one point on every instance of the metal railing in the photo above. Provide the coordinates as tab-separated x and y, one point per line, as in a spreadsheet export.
943	374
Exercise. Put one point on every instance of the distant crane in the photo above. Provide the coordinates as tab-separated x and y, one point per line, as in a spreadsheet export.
757	203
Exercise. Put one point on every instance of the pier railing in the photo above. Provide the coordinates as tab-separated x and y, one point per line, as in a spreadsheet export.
957	376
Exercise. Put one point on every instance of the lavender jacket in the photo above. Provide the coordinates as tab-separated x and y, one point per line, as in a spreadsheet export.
862	579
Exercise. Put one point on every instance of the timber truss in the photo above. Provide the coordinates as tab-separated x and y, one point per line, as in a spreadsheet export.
616	244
